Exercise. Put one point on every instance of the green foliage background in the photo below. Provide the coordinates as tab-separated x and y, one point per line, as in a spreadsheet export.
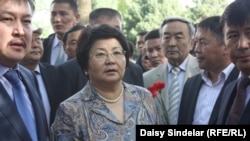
141	15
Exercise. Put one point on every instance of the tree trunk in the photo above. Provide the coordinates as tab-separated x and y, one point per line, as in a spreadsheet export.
84	9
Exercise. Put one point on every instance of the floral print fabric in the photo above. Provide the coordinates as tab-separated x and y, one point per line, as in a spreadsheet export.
85	116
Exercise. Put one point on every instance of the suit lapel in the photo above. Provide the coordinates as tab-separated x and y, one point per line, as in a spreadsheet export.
162	75
48	81
192	103
7	107
37	105
245	118
232	76
47	44
192	67
228	97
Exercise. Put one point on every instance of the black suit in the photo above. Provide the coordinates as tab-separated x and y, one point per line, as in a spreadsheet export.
12	126
133	74
70	81
228	97
47	46
49	75
190	96
71	78
139	62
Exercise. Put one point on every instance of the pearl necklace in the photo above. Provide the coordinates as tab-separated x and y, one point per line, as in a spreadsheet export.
114	100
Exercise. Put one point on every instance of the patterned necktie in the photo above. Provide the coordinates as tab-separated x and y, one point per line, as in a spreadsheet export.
60	56
21	103
174	97
239	101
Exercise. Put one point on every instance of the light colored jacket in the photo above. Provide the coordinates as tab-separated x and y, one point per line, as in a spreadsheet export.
160	73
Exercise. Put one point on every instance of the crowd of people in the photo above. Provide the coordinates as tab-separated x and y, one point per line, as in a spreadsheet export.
80	82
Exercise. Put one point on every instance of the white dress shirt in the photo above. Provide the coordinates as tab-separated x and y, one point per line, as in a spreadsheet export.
43	92
55	51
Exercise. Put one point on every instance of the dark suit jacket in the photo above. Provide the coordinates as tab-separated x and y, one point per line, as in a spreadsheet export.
139	62
12	126
133	74
190	95
228	97
49	75
71	79
47	46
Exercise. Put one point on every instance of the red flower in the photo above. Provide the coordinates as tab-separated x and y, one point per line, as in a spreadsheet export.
153	91
157	86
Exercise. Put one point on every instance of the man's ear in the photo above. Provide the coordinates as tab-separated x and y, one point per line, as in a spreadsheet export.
192	45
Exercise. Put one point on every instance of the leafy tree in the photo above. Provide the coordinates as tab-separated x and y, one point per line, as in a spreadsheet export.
139	15
42	17
205	8
104	3
84	8
148	15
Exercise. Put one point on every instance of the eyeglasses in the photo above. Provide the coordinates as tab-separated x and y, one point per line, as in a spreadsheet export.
101	55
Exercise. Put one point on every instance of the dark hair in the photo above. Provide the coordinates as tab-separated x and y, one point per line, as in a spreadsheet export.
213	24
107	12
72	3
30	2
153	34
236	14
191	27
142	33
72	29
91	35
131	48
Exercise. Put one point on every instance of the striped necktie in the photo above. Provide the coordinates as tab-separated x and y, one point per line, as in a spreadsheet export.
239	101
21	103
174	97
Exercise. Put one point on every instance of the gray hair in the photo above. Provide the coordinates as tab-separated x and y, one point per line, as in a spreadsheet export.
179	19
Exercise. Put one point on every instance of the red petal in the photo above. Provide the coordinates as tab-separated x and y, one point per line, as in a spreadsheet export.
159	85
153	91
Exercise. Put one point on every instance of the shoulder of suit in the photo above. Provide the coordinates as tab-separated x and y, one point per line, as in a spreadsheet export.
155	70
70	63
193	63
135	67
24	70
50	36
26	74
47	65
192	58
131	64
194	78
48	39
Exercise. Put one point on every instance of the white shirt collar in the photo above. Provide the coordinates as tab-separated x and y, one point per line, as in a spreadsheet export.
55	42
182	66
